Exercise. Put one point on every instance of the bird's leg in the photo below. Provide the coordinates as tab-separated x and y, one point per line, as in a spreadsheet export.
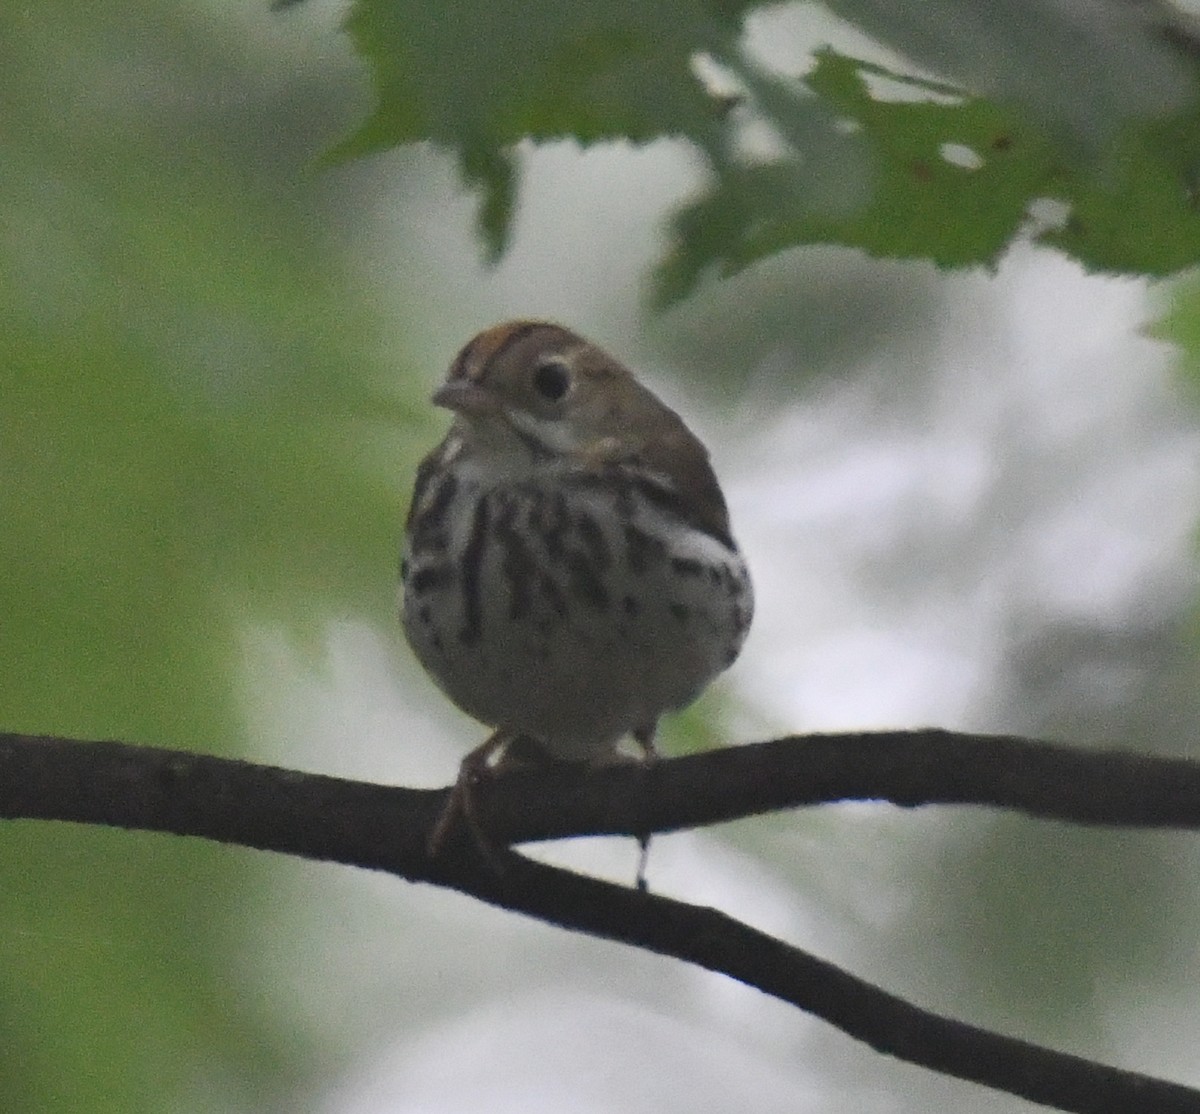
644	737
501	750
461	802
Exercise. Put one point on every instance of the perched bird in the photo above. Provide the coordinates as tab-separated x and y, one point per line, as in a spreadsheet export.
569	573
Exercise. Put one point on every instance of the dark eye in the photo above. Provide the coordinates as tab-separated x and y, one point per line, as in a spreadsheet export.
552	380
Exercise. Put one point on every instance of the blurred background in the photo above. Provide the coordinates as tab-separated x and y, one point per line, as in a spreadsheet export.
968	500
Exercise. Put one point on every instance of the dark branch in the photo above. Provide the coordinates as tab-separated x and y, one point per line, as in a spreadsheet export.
710	939
927	766
384	828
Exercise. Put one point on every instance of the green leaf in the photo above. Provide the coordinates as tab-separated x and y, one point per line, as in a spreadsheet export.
478	77
1079	72
952	179
1096	113
470	72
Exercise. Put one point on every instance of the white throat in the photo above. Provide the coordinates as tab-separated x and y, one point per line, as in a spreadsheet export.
499	454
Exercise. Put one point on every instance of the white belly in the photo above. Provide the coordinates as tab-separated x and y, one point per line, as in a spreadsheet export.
564	620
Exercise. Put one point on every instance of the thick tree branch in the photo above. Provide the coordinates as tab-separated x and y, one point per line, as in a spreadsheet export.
384	828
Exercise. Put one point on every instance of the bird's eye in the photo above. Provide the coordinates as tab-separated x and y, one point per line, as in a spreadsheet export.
552	380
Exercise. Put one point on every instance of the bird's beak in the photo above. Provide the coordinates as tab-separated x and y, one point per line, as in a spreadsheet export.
464	397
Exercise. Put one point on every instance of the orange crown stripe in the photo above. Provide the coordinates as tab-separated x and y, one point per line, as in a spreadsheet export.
487	346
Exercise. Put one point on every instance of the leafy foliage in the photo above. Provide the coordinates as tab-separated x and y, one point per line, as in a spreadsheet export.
479	77
949	173
953	181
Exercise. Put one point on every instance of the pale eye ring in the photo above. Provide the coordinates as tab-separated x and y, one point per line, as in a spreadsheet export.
552	380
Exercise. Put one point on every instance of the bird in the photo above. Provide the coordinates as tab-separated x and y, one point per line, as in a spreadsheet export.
568	572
